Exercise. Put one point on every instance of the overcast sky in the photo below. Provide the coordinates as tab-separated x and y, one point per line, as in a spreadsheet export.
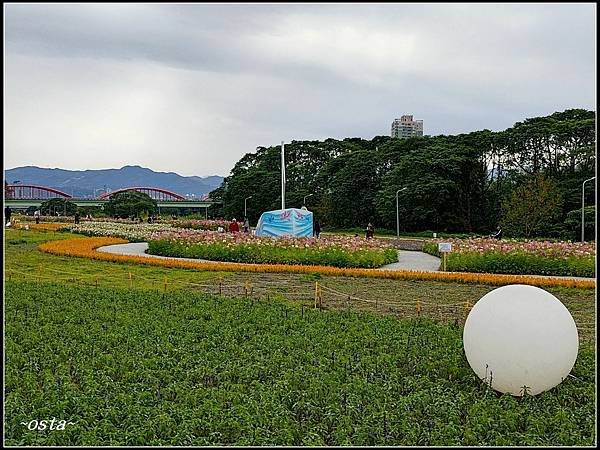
191	88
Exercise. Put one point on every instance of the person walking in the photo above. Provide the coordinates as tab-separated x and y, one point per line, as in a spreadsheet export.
317	229
76	217
234	227
37	215
246	225
7	214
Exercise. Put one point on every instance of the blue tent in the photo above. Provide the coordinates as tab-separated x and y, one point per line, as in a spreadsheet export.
285	222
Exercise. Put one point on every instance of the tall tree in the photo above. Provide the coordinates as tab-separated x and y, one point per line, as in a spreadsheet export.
454	183
130	204
533	208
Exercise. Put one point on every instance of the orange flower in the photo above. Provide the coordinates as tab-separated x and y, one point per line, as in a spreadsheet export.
55	226
85	248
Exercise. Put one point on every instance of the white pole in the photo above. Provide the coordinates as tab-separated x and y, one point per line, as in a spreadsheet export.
397	217
397	213
282	175
582	208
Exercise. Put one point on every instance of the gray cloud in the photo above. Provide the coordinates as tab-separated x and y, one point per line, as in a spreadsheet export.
191	88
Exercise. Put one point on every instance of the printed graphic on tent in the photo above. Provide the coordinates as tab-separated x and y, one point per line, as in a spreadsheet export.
285	222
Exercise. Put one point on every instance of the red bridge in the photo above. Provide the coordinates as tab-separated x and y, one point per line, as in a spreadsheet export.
154	193
32	192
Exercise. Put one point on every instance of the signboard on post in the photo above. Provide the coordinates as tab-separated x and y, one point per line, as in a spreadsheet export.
444	248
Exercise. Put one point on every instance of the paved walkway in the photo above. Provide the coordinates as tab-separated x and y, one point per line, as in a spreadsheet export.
412	260
139	249
407	260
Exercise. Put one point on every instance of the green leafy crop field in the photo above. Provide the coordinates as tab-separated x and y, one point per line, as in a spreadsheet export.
144	367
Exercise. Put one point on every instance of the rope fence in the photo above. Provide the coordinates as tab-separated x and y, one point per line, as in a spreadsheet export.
321	297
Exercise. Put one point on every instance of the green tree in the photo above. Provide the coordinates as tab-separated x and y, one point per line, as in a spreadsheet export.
573	223
454	183
130	204
532	209
58	205
351	182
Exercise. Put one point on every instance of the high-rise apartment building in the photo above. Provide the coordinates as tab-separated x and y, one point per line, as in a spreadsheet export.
407	127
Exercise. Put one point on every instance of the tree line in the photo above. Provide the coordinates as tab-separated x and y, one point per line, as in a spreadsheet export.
526	179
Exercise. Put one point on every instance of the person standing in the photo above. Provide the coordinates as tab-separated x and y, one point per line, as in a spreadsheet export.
37	215
317	229
7	214
234	227
246	225
370	230
76	217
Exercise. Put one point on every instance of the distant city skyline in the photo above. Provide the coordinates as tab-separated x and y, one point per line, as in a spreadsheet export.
191	88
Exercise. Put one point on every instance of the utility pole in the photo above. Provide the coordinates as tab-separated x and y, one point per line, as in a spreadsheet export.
282	175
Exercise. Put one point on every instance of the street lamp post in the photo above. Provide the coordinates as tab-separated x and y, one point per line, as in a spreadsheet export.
398	213
304	201
582	208
247	198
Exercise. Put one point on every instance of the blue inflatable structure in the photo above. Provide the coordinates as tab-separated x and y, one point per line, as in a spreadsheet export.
285	222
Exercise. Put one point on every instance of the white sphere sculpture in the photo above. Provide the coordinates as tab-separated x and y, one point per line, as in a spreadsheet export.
520	338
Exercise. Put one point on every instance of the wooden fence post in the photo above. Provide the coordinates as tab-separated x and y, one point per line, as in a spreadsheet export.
467	309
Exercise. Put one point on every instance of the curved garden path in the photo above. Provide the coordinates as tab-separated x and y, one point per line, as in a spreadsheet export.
407	260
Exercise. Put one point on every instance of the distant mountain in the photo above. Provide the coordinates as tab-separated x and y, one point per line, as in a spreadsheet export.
83	183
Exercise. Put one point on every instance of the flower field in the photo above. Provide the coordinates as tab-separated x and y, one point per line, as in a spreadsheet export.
85	248
486	255
144	368
52	226
336	251
210	225
168	240
134	232
61	219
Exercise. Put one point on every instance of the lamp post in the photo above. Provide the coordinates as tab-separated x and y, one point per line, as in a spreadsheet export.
582	206
304	201
397	212
247	198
